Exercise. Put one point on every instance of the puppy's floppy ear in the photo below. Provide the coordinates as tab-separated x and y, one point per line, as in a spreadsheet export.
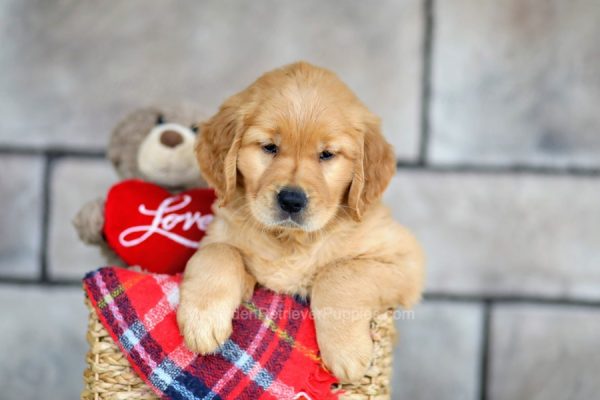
217	149
375	166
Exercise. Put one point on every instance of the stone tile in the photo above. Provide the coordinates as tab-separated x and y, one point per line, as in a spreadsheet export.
504	234
516	81
438	353
74	182
21	215
42	342
71	69
544	353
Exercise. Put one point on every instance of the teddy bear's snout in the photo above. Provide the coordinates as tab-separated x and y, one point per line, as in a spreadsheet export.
171	138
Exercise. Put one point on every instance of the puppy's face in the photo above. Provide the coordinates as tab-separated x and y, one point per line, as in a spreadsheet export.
297	160
298	148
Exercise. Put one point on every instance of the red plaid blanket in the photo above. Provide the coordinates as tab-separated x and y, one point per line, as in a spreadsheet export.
272	353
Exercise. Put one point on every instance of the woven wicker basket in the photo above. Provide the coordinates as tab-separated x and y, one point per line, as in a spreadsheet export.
109	376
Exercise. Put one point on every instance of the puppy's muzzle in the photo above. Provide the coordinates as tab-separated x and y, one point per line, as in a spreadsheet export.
292	200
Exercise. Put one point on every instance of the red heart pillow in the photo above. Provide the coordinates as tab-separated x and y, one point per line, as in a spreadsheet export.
150	227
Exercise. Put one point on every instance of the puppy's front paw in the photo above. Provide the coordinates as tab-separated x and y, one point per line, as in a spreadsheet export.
205	329
346	349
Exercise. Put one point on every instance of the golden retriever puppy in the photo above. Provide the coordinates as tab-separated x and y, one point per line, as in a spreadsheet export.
299	164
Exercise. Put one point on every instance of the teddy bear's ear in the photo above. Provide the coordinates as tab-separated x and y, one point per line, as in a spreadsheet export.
217	148
126	139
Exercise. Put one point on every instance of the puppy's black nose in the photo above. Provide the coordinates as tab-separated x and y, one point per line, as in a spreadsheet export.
292	200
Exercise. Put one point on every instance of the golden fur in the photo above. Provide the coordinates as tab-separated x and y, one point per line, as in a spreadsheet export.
346	252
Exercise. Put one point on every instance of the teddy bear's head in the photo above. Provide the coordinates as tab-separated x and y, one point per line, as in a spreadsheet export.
157	145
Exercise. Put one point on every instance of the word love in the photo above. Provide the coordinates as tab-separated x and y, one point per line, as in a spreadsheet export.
165	220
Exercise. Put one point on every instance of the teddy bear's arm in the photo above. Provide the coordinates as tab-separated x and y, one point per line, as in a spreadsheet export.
89	222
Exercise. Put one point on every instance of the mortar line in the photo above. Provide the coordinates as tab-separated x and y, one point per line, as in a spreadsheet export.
434	297
54	151
427	58
33	282
485	350
512	299
47	176
514	169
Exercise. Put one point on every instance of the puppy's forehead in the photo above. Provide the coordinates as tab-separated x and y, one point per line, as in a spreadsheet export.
303	130
305	112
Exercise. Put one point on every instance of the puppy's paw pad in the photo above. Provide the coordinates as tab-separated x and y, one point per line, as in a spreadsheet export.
348	367
204	331
348	363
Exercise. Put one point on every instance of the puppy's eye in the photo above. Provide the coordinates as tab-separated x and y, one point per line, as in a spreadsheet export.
160	119
270	148
194	128
326	155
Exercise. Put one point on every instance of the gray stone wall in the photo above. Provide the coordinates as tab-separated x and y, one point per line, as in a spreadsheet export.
493	107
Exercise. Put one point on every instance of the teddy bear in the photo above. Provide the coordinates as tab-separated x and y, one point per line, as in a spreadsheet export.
152	150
